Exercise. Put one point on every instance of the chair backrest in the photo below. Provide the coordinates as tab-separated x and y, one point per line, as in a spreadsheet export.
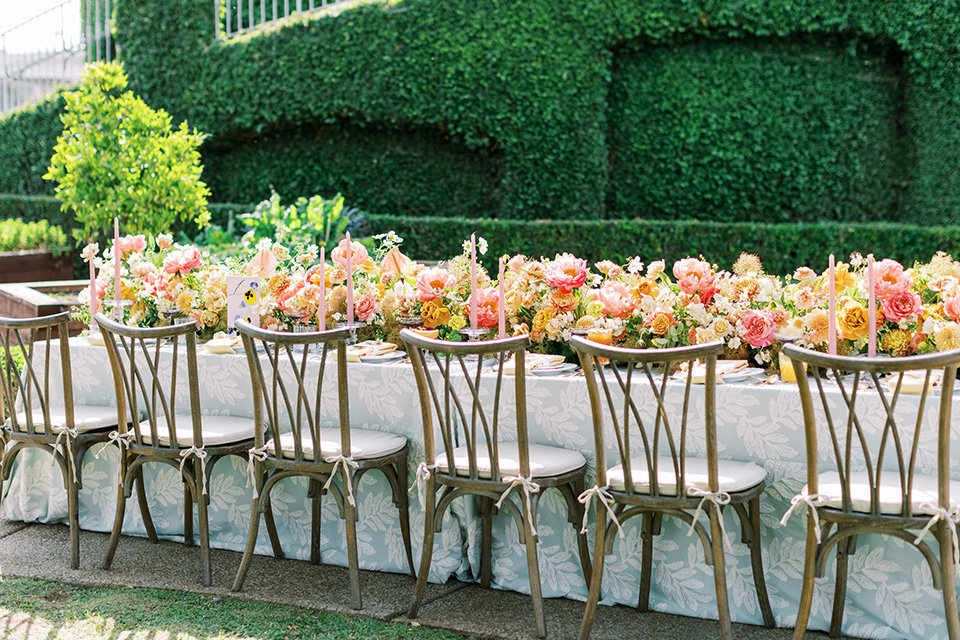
647	375
284	395
145	378
854	446
28	385
457	401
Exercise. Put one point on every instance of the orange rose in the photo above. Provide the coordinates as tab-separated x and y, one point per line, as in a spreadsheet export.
434	314
852	319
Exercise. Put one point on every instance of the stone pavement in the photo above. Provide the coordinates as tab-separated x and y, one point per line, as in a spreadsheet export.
40	551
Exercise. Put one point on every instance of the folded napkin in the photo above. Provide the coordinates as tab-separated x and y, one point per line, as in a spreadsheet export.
96	339
699	375
367	348
222	343
913	382
534	361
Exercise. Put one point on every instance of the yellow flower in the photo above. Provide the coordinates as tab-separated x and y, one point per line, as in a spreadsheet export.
897	342
457	322
209	318
948	338
513	299
434	313
852	319
541	319
594	308
185	302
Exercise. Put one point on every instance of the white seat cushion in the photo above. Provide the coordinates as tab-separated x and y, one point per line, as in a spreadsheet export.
545	461
216	430
84	418
364	444
733	476
891	495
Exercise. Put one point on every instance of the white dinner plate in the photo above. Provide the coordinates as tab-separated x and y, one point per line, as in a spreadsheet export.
741	374
566	367
384	357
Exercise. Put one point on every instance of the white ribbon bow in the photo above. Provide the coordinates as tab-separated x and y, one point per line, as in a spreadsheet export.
528	487
254	453
420	478
201	455
602	494
347	463
71	433
719	499
811	501
120	439
952	516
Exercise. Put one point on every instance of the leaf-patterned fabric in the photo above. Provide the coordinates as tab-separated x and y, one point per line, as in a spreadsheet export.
890	593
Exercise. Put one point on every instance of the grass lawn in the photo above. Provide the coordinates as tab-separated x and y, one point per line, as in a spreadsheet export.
35	610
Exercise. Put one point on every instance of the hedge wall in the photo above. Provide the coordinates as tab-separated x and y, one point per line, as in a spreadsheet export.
717	109
27	138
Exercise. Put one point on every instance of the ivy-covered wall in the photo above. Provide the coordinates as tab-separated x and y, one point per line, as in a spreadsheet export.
721	110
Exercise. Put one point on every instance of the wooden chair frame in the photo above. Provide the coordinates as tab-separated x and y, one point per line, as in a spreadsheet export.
480	435
33	388
276	401
654	505
135	360
840	527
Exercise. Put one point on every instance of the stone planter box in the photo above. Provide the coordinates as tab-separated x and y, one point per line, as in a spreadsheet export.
35	266
34	299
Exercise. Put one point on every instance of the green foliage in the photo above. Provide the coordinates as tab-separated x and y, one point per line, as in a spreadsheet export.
316	221
117	157
27	138
782	247
17	235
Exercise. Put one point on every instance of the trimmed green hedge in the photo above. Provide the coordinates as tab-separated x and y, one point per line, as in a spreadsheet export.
27	138
781	247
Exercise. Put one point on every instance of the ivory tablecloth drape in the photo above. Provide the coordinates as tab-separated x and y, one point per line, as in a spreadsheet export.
890	591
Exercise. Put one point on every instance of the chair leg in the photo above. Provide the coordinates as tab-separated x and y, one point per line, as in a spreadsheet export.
646	561
204	527
145	509
350	518
486	540
252	534
403	507
946	572
429	529
315	524
845	549
272	527
593	597
720	573
576	512
73	516
751	526
187	515
533	565
806	590
117	523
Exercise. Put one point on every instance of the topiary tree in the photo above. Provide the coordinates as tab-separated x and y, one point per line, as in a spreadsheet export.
117	157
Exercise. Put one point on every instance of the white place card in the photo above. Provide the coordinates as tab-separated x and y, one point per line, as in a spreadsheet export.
243	300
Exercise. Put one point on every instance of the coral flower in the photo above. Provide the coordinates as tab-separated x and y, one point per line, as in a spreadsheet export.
758	327
339	254
488	300
183	261
432	282
902	306
951	308
132	244
366	307
616	299
566	273
890	278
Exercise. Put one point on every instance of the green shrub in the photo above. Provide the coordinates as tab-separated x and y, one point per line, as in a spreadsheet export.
17	235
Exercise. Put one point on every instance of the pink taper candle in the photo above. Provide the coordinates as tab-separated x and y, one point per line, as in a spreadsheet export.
349	280
93	283
871	310
500	304
322	311
831	277
473	281
116	267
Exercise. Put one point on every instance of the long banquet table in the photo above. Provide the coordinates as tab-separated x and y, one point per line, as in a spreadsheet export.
890	591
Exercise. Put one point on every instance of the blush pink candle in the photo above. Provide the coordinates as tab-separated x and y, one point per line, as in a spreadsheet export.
93	283
831	277
871	310
501	303
473	281
349	280
322	311
116	268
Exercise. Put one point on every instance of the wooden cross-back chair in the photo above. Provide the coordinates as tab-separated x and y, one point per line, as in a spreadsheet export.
291	441
667	477
146	378
33	418
876	486
477	461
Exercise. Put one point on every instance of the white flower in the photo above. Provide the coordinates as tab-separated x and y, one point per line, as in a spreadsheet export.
635	266
734	342
90	251
482	246
930	326
656	268
466	246
264	243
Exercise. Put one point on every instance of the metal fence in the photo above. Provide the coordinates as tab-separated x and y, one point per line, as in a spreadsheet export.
239	16
49	49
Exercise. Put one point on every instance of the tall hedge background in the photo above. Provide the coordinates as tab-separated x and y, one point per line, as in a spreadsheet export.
723	111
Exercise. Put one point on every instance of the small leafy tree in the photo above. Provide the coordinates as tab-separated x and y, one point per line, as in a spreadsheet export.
117	157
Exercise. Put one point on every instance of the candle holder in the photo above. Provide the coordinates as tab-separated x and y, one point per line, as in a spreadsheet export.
474	334
412	321
117	311
353	327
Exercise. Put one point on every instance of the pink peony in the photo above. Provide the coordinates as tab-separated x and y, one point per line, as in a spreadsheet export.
690	266
694	276
889	278
487	304
183	261
132	244
566	273
164	241
707	287
432	282
951	308
358	251
758	327
366	307
616	300
901	306
516	262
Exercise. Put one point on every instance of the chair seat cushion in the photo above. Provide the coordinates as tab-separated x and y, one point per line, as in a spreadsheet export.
733	476
364	444
545	461
85	418
215	430
891	495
